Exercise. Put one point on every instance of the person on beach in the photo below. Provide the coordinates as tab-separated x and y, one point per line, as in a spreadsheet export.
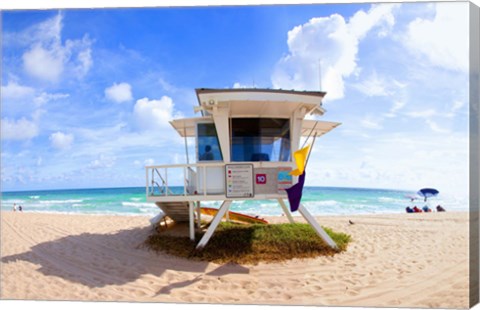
440	209
409	210
426	209
417	210
208	155
14	207
20	208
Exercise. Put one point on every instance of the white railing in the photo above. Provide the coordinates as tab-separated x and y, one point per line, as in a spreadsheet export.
199	179
158	178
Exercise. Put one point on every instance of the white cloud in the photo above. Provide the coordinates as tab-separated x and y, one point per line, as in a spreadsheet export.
46	97
15	91
119	92
435	127
422	113
370	124
149	162
103	161
43	64
154	114
443	39
84	61
61	141
167	86
403	160
47	57
456	106
21	129
374	86
397	106
240	85
330	45
146	162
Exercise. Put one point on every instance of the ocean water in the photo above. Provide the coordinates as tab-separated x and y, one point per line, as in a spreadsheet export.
132	201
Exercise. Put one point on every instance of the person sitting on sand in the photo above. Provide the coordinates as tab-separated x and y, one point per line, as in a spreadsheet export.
426	209
20	208
417	210
440	209
409	210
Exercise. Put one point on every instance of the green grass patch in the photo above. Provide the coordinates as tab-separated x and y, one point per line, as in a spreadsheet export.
250	244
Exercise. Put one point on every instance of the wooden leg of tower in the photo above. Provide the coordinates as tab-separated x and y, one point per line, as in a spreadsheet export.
191	216
199	215
213	225
311	220
285	210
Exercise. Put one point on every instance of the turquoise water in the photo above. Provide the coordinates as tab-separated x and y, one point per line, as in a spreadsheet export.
132	201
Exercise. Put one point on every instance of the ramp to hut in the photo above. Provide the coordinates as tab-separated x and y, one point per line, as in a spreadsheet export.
177	211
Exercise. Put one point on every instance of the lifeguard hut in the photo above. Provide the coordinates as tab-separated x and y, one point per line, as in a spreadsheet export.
244	141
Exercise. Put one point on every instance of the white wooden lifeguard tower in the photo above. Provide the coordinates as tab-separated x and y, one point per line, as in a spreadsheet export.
245	139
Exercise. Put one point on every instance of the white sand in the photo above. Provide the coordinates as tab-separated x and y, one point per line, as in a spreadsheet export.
404	260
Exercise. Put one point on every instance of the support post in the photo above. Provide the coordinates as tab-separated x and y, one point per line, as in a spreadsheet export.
286	211
147	187
199	215
311	220
191	218
216	220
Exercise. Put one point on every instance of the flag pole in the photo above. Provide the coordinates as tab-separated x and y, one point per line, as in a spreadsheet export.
310	151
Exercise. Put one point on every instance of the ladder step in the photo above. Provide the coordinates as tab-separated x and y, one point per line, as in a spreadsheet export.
177	211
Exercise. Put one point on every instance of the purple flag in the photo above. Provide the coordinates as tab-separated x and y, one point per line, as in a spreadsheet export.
295	193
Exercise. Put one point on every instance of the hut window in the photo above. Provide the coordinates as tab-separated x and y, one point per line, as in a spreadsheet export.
208	146
260	139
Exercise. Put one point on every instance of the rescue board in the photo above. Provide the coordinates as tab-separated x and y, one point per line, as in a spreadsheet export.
234	216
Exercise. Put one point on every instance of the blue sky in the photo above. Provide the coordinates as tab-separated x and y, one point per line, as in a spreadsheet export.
87	93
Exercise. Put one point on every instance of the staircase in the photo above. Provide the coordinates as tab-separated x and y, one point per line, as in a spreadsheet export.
177	211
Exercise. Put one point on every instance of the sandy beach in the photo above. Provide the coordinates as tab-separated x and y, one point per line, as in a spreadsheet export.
403	260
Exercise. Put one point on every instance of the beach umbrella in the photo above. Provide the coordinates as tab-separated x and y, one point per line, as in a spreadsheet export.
428	192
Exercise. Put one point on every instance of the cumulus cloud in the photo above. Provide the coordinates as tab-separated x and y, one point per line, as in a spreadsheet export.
44	64
21	129
444	39
119	92
154	114
328	45
61	141
47	57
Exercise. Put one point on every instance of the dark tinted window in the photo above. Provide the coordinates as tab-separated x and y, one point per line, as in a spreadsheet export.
260	139
208	146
